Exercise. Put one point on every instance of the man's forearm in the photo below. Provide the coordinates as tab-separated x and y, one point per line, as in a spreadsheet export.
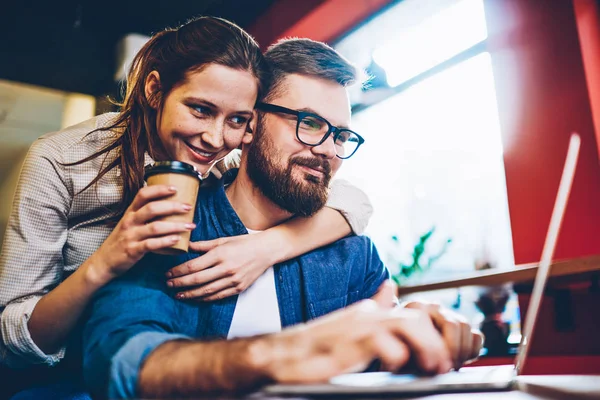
184	368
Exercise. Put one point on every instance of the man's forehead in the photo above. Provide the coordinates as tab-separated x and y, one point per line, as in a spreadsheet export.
321	96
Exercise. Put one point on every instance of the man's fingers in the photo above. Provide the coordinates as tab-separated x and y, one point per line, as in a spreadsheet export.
455	330
198	264
392	352
477	343
417	330
386	295
450	329
466	342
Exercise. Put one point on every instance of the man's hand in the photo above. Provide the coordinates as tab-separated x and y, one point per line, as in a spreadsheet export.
463	342
344	341
348	340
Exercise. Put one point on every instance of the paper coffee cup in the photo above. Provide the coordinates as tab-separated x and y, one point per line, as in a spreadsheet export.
186	179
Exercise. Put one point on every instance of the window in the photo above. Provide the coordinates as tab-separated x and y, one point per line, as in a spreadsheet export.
433	152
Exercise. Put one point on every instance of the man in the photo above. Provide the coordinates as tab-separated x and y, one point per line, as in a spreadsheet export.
140	342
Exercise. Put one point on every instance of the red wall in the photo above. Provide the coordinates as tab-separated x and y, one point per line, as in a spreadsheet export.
279	18
542	97
323	20
587	13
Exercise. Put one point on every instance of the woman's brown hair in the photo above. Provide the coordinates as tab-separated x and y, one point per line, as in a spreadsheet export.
172	53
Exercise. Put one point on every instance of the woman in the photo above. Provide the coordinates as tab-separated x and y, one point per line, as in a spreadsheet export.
82	217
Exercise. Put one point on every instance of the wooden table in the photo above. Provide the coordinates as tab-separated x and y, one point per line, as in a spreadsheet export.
579	267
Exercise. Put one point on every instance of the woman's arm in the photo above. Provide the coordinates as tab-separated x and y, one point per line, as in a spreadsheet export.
232	264
38	311
31	260
137	233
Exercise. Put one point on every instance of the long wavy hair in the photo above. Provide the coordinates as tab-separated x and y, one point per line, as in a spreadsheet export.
172	53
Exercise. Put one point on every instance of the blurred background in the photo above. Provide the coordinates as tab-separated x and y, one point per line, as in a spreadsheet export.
466	108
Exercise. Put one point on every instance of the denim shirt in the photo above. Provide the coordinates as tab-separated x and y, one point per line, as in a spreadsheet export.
136	313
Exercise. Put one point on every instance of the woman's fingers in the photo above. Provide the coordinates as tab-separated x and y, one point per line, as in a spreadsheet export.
212	288
198	278
198	264
157	243
204	246
162	228
160	208
149	193
232	291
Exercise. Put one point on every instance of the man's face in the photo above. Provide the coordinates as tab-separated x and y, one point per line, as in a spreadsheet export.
291	174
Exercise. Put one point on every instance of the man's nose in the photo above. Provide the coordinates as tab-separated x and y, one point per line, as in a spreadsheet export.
214	134
325	149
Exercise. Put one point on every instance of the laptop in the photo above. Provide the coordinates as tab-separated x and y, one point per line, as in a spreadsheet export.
469	378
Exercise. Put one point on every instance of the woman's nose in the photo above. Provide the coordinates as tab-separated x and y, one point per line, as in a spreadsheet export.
214	135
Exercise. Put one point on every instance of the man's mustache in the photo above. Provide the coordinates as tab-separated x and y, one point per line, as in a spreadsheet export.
314	163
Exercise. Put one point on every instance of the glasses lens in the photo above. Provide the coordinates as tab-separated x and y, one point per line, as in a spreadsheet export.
311	129
346	143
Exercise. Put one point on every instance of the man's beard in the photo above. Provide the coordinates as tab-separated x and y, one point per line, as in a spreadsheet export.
302	198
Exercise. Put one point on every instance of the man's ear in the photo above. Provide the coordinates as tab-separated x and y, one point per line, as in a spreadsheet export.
152	89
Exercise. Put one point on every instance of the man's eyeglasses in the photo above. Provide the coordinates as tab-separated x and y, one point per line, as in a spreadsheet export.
313	130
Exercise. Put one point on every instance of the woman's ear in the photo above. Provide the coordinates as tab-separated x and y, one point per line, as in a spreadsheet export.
152	89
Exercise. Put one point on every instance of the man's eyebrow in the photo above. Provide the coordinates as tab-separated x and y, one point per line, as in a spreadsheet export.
199	100
310	110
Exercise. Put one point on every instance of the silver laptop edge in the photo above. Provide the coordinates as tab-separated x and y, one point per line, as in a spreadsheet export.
541	276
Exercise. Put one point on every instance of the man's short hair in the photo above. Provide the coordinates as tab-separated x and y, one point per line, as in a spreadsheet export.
306	57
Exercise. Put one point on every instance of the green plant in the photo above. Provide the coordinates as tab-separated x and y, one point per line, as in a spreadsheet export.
417	265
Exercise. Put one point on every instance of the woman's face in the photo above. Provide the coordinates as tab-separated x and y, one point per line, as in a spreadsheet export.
205	117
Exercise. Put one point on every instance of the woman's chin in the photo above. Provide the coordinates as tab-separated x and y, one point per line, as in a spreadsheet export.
200	167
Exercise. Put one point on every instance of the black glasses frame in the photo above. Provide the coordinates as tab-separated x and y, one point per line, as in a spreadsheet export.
300	115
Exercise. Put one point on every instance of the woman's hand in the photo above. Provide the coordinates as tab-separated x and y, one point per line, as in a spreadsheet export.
138	233
229	267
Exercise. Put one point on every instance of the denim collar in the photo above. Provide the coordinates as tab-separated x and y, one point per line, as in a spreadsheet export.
221	213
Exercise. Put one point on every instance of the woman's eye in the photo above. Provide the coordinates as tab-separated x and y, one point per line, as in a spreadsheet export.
239	120
201	110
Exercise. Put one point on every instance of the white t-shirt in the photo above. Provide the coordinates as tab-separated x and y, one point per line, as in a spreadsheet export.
257	308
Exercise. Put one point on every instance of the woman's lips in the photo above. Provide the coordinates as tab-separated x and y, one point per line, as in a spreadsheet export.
200	155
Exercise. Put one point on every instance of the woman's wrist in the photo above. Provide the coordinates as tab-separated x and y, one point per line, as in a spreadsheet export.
95	272
276	245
